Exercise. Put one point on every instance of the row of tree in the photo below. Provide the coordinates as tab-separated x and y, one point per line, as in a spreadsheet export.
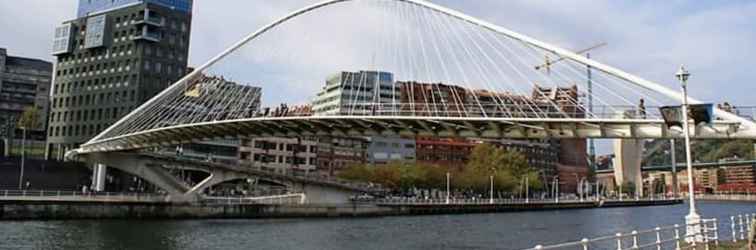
705	150
509	170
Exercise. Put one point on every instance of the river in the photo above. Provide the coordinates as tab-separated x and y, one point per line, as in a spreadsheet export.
470	231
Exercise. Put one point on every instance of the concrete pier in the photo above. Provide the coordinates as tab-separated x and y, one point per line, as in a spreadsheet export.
57	210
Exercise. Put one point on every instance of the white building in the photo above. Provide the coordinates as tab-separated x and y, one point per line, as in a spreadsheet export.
361	93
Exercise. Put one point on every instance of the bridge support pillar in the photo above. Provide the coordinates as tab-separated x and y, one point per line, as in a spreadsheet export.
152	173
99	175
627	164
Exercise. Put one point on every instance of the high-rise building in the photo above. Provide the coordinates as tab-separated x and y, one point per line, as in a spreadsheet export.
112	58
357	93
24	83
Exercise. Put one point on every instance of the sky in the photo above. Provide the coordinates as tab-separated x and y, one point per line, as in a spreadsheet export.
713	39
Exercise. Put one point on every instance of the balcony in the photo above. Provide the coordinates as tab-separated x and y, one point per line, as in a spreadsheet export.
151	18
149	35
153	21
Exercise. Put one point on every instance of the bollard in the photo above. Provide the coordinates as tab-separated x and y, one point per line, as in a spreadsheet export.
732	228
677	236
635	239
658	238
584	241
706	235
740	221
716	232
619	241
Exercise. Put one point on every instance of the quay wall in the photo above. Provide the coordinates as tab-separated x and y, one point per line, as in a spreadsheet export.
57	210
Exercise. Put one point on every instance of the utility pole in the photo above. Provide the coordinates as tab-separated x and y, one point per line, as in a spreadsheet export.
591	143
675	187
693	219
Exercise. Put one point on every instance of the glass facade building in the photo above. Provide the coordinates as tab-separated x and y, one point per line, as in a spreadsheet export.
93	6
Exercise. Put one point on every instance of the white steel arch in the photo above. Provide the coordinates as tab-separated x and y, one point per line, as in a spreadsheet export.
638	81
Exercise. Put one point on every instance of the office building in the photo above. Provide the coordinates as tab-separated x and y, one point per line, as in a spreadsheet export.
384	150
280	155
357	93
573	157
338	153
433	99
24	83
112	58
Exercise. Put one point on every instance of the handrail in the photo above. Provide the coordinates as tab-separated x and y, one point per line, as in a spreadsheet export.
705	233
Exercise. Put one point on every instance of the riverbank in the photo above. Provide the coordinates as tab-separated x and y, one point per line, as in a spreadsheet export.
68	210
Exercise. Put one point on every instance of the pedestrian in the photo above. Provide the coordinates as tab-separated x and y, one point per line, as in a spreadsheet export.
642	108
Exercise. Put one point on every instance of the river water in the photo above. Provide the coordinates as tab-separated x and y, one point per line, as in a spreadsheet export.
470	231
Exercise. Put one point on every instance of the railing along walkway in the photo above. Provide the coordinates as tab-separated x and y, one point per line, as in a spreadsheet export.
76	196
712	233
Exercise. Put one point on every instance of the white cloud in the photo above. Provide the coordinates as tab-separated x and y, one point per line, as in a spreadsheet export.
27	26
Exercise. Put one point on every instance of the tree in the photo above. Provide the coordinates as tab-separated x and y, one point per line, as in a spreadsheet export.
509	169
357	173
29	119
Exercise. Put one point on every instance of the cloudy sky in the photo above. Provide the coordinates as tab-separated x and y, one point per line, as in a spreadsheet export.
714	39
649	38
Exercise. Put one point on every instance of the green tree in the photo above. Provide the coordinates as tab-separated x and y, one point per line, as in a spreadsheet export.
389	176
358	173
509	169
29	119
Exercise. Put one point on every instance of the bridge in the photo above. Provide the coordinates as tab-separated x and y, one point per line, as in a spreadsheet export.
421	70
696	165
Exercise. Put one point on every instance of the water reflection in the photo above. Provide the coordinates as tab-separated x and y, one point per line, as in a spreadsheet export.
474	231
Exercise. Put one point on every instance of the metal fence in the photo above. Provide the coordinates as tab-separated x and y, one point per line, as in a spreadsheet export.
483	201
42	195
708	234
46	195
285	199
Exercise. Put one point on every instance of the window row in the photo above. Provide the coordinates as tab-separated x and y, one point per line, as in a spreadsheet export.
95	99
87	115
77	130
77	86
101	67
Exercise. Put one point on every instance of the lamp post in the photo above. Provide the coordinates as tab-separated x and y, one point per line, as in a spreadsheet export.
23	159
447	187
675	186
527	190
693	220
555	188
490	200
577	184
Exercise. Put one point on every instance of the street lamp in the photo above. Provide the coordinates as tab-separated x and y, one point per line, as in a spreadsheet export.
673	159
490	200
692	219
527	190
447	187
23	159
555	188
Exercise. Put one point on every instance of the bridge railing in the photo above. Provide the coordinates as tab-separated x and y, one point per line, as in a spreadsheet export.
712	232
288	199
483	201
57	195
506	110
727	197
